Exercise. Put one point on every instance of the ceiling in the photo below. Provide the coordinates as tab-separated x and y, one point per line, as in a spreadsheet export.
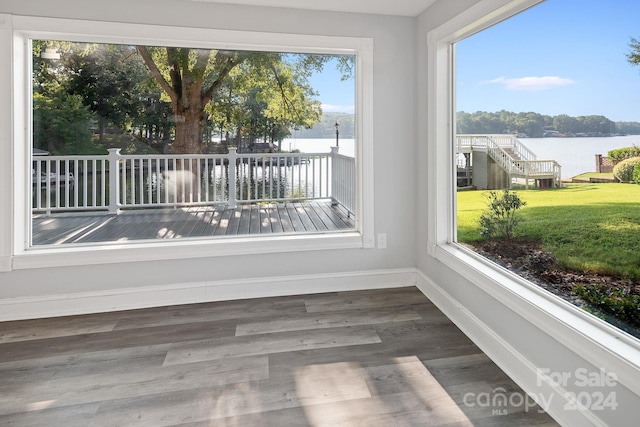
380	7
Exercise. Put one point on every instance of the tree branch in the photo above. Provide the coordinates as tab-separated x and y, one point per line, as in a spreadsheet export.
228	64
155	72
289	106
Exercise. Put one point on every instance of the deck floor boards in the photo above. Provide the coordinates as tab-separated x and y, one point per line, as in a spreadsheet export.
365	358
189	222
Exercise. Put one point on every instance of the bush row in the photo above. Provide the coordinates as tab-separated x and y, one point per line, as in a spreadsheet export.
620	154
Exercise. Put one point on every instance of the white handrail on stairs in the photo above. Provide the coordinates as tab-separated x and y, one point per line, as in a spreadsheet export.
511	155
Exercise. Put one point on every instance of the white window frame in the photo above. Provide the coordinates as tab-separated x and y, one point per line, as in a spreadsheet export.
16	33
602	344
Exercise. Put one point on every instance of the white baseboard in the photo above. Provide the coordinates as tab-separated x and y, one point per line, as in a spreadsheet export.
208	291
516	365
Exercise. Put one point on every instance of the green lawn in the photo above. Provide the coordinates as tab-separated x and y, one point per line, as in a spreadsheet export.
587	227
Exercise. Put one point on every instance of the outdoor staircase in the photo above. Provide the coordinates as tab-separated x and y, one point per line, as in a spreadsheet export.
514	158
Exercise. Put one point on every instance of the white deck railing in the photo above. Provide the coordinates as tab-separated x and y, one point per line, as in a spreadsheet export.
512	156
115	182
343	173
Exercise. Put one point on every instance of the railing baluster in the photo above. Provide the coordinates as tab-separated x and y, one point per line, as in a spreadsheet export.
38	179
48	184
94	183
214	179
132	174
128	181
206	180
76	168
141	179
149	182
231	180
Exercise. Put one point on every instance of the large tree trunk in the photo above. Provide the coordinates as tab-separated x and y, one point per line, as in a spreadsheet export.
189	131
190	125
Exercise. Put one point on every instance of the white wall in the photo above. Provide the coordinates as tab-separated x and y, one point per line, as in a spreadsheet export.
394	151
519	336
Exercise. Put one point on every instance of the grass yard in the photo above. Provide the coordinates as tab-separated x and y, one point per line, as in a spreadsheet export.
588	227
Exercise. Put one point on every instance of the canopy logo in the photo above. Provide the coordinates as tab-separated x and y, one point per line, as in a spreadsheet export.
583	389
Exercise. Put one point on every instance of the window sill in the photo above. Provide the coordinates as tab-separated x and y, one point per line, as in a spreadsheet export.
43	257
602	344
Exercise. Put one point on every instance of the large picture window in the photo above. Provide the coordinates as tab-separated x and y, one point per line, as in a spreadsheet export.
187	143
532	195
565	322
221	139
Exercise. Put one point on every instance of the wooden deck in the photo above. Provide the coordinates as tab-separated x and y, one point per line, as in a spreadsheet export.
366	358
191	222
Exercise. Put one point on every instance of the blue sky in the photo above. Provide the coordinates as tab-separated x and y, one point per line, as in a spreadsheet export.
560	57
335	95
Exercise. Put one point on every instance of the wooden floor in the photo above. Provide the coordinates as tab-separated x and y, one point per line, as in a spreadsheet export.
366	358
308	217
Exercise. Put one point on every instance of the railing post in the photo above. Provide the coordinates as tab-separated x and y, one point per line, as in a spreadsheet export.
334	175
233	156
114	180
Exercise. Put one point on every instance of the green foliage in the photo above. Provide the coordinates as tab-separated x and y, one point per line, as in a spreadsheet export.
633	57
263	98
171	97
535	125
587	227
617	301
62	125
636	173
628	128
623	171
501	219
619	154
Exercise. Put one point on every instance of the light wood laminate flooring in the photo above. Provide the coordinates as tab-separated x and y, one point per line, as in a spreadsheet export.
365	358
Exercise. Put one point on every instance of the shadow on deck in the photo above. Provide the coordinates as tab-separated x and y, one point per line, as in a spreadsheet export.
189	222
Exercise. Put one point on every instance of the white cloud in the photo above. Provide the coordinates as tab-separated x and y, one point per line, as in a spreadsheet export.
532	83
329	108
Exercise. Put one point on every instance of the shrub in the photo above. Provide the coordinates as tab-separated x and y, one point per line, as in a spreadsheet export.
620	154
501	218
623	171
618	301
636	173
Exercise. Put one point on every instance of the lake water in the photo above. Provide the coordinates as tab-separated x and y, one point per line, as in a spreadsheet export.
575	155
319	145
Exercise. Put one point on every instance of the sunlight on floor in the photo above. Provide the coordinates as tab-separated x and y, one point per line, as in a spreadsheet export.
334	394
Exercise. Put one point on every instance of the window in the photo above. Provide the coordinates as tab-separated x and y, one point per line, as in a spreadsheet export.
194	175
550	314
117	131
527	127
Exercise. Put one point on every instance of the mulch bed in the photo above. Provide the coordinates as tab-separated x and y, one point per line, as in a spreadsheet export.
529	260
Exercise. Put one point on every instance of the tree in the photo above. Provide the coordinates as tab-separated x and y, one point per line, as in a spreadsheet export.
565	123
633	57
254	94
535	124
109	78
263	98
191	78
61	123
